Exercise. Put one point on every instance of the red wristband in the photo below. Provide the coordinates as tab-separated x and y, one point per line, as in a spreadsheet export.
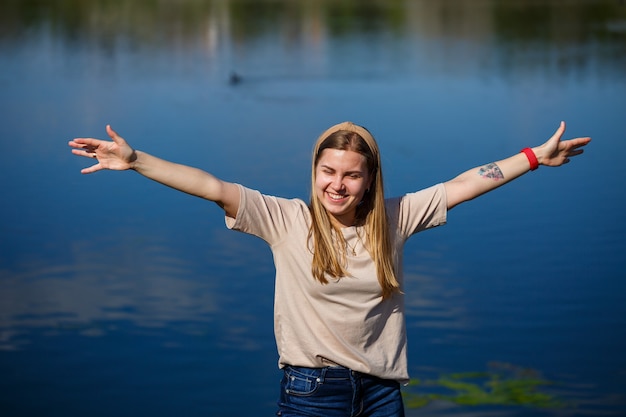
532	158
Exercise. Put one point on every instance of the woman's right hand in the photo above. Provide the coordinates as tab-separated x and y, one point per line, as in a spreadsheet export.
116	155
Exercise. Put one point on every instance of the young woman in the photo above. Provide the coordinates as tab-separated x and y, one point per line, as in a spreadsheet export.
339	308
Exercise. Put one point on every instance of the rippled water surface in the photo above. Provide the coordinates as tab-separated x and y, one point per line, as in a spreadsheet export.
122	297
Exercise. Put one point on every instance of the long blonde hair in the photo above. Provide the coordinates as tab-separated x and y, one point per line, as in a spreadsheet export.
329	247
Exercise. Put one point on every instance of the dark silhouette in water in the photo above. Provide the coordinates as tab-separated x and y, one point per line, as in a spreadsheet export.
234	78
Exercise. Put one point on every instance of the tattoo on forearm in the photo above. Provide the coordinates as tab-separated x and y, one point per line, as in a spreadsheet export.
491	171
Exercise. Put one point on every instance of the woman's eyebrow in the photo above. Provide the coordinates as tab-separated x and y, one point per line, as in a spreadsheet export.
349	172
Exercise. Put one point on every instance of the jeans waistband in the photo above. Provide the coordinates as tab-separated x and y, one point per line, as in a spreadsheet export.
336	373
339	372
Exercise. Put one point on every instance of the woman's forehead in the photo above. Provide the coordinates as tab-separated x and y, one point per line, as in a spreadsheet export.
342	159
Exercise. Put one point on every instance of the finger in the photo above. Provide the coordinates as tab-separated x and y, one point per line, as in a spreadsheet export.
560	130
578	142
83	143
554	144
576	152
574	144
90	153
114	136
91	169
78	152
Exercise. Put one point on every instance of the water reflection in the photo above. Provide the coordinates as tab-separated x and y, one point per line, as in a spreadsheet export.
137	281
433	305
456	36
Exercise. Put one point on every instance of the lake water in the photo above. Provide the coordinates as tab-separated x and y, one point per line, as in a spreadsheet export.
122	297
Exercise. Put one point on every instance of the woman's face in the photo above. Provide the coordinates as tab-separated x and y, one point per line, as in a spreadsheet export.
341	179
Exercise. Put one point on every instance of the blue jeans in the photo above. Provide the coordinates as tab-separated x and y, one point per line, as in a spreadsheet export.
337	392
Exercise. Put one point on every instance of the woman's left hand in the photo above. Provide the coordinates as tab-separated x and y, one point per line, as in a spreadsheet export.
556	152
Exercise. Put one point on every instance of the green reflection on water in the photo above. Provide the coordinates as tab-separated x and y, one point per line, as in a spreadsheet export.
551	20
502	384
560	36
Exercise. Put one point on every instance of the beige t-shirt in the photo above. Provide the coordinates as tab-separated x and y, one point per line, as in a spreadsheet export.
344	322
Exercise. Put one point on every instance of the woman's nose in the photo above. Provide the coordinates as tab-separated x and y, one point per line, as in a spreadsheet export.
337	182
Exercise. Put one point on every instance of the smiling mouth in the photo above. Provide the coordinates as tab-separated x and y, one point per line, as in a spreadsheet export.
336	197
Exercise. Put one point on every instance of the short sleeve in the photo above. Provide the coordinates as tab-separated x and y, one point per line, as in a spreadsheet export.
419	211
267	217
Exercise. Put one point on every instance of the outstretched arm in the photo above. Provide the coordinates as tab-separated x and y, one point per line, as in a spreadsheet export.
479	180
118	155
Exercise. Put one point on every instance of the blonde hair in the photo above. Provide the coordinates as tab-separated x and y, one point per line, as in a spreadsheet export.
329	246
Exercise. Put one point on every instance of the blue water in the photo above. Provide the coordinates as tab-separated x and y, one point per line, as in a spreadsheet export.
122	297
